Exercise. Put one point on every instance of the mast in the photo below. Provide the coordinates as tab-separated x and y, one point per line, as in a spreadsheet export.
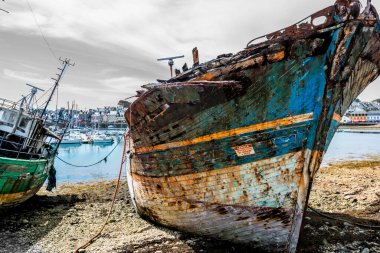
66	63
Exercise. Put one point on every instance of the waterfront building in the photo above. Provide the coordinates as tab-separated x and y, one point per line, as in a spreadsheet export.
358	116
373	116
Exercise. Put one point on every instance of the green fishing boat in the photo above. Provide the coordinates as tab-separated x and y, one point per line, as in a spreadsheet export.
20	179
26	147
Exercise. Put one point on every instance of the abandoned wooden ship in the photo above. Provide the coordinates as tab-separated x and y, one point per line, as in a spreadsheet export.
26	157
229	148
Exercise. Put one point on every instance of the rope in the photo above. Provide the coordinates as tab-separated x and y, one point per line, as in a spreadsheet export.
95	237
343	220
93	164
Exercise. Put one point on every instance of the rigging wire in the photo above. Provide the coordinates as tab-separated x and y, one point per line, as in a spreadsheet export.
44	94
41	32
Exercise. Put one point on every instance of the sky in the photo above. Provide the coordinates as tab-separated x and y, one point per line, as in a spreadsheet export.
115	44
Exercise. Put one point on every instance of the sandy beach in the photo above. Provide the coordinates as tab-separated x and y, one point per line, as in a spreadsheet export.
61	220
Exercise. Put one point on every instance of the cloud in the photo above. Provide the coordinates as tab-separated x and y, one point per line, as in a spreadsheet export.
115	44
25	76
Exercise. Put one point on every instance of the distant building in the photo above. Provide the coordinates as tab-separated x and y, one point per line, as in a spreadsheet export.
96	118
358	116
373	116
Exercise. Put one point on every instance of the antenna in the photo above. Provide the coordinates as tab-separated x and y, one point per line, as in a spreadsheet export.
66	63
33	93
170	62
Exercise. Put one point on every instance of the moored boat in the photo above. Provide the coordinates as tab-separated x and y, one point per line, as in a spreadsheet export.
229	148
98	138
26	156
71	139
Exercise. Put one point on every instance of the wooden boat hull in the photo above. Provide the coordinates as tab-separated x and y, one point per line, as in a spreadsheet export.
231	153
21	179
248	204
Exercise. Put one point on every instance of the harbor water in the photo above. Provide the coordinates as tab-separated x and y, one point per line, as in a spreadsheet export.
344	147
88	154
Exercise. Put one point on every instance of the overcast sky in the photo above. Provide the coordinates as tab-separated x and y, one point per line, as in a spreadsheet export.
115	43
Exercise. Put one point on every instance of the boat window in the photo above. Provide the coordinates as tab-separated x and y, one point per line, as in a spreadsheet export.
1	115
24	122
12	117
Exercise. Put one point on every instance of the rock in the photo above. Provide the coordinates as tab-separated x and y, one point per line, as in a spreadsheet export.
307	226
346	224
158	251
325	242
25	221
365	250
81	251
373	244
190	242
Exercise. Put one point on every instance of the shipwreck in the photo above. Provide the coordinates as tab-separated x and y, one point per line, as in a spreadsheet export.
229	148
27	146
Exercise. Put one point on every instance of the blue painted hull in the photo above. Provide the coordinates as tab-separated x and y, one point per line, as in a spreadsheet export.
231	152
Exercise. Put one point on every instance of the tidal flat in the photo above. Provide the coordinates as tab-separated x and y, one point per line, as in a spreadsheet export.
59	221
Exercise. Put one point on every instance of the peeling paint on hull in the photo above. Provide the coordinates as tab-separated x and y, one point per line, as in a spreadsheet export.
21	179
236	203
229	149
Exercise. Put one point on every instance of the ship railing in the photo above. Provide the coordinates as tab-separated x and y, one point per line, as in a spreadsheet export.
19	150
11	105
5	103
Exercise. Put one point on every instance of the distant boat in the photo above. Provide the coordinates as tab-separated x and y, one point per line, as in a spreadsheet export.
229	148
85	139
71	139
101	139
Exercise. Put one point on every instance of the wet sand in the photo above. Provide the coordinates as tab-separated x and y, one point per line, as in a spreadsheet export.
59	221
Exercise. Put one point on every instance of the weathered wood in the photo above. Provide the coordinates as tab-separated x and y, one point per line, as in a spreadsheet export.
233	156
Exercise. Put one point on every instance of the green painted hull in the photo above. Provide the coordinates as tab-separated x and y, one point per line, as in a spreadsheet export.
21	179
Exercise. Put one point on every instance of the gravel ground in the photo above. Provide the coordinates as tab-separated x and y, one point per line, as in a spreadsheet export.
59	221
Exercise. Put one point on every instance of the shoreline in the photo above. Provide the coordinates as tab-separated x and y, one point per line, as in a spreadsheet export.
61	220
